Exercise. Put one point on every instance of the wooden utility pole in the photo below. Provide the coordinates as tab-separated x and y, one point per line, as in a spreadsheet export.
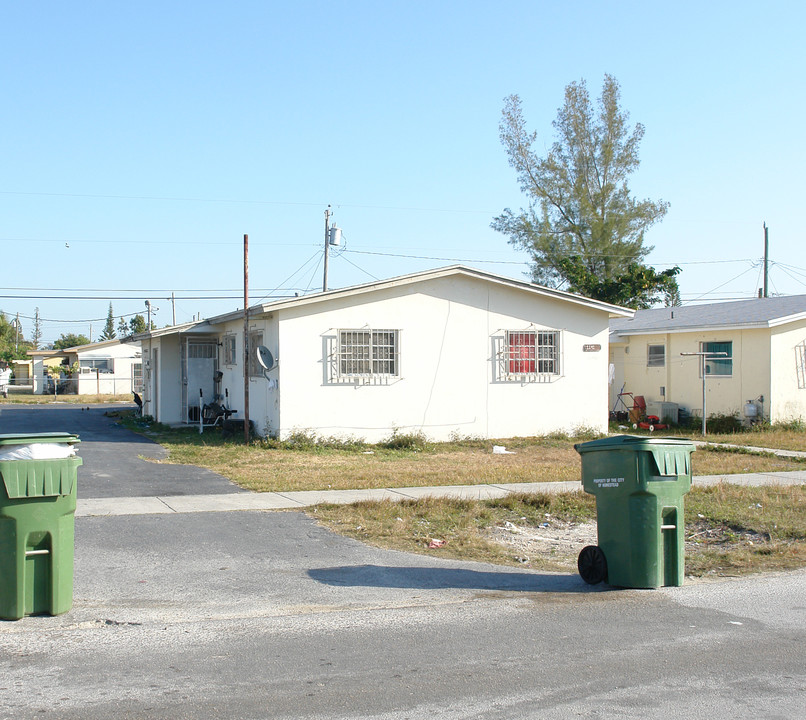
327	247
246	348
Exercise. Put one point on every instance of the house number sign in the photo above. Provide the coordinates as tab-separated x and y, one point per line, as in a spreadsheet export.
591	348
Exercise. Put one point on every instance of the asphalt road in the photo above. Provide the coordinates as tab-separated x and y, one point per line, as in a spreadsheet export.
117	462
249	615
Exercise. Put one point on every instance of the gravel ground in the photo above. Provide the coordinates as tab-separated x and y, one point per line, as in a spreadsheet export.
559	541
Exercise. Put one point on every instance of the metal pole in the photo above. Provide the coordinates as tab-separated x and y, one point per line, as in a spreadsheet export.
766	257
704	375
246	349
703	356
327	251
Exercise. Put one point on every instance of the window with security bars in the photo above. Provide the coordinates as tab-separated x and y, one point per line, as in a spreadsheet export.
368	353
533	352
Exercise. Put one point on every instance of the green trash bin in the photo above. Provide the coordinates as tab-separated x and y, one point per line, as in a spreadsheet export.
37	525
639	484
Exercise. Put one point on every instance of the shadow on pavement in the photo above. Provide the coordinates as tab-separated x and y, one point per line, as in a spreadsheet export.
420	578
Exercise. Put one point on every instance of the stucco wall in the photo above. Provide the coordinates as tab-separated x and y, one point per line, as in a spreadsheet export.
681	375
788	386
448	382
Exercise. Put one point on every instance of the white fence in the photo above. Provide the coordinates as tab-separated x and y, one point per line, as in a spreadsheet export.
83	384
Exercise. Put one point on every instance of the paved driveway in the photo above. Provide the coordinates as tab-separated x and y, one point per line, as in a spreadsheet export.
117	462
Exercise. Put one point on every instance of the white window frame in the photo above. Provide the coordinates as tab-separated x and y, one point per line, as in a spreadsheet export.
537	361
106	365
230	349
364	355
659	358
255	340
710	363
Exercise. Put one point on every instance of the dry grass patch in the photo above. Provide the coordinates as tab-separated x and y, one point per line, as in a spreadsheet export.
308	463
271	470
730	530
265	469
461	529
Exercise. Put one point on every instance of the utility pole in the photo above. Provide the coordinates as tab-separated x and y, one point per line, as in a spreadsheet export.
246	349
702	356
327	246
173	309
766	257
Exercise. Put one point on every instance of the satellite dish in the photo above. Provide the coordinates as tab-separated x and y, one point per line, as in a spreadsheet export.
265	358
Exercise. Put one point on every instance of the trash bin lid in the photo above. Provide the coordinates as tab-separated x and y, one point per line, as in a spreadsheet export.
672	455
631	442
31	438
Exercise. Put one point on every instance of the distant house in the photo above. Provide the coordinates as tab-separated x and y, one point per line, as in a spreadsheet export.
760	368
445	352
110	367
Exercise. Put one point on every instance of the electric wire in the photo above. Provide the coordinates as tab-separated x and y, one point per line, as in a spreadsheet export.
289	278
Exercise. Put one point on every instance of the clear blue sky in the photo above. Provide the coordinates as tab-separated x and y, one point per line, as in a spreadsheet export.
140	141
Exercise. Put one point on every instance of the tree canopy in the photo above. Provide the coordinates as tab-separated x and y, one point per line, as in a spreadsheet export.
70	340
580	205
137	324
13	345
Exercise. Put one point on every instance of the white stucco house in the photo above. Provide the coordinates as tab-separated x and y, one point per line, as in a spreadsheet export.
446	352
761	371
110	367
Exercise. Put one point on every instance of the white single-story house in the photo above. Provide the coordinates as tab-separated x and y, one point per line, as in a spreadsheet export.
110	367
756	362
447	352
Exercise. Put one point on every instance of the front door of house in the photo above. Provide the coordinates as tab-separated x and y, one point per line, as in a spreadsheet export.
201	364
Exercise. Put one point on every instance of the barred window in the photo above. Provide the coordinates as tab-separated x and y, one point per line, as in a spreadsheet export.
533	352
205	351
366	353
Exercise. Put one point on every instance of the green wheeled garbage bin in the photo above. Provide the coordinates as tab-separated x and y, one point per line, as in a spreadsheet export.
639	484
37	523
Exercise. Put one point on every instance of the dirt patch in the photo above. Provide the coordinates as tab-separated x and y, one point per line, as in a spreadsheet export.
559	543
554	540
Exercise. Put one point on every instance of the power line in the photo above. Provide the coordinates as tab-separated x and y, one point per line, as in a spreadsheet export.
236	201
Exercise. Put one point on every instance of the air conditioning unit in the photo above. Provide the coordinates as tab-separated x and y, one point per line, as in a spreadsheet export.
668	412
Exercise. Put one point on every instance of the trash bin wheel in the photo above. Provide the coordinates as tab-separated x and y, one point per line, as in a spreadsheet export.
592	564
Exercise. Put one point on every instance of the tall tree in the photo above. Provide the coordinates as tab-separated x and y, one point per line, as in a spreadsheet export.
36	335
579	200
123	328
109	327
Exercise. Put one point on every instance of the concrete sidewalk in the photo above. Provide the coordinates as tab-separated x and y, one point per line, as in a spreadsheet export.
295	500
